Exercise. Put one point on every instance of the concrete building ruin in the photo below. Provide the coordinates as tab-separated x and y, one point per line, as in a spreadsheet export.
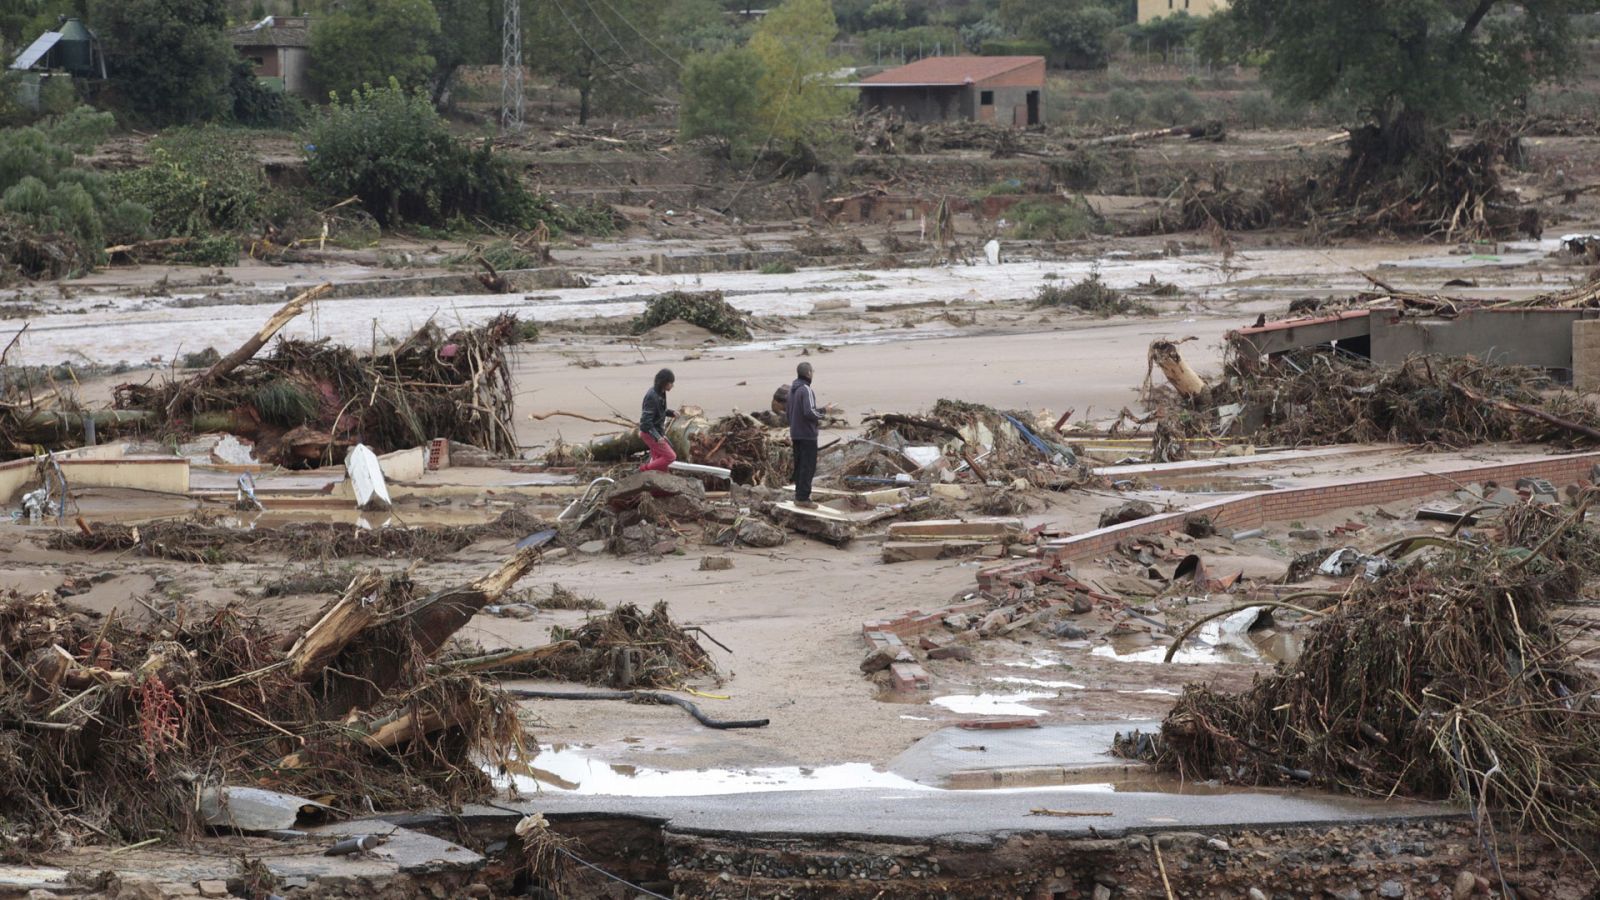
1003	90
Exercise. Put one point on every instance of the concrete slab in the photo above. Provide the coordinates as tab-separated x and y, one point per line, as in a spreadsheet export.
979	817
935	758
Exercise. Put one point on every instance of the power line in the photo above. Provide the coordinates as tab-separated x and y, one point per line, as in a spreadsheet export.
659	49
601	57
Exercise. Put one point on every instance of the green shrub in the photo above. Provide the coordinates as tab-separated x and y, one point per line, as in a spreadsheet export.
1037	220
1081	169
1090	295
1006	187
390	148
1014	47
777	268
1174	106
55	218
199	182
209	250
705	308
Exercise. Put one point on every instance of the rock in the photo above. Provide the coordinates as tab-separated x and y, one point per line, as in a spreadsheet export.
1218	844
950	652
958	621
1081	604
931	643
715	563
884	657
1137	842
213	888
756	533
662	548
1101	892
592	547
1127	512
479	890
1391	889
1068	631
1349	893
1305	534
1256	894
1466	883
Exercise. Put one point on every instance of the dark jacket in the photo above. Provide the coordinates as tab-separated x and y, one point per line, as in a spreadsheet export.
804	419
654	414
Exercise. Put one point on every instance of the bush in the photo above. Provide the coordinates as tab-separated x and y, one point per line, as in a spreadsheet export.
706	309
1080	170
1015	47
199	182
1090	295
55	219
1043	221
1010	186
1174	106
390	148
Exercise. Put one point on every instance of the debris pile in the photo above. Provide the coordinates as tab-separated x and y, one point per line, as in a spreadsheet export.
211	543
627	648
1319	398
706	309
1455	193
115	731
742	445
308	402
1447	677
964	440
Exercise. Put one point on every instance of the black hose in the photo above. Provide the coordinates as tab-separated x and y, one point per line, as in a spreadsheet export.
639	697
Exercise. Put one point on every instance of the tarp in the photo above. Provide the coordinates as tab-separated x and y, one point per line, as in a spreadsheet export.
36	51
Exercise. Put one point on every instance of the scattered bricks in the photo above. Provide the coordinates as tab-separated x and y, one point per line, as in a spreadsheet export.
952	651
998	724
910	677
881	658
1349	528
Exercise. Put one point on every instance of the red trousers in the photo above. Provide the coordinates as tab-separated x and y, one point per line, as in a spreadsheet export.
661	454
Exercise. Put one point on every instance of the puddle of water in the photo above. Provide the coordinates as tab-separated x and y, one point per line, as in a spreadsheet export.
1039	682
1158	691
1211	645
560	768
993	704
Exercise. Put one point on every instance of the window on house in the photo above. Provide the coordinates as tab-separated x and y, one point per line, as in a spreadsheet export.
986	98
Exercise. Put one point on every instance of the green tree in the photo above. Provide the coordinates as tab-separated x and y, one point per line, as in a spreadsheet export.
169	60
697	26
720	100
798	98
1076	30
1404	66
604	49
362	42
469	35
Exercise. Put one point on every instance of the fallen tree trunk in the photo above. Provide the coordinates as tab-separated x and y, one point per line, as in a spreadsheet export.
379	657
1183	379
345	619
56	427
249	348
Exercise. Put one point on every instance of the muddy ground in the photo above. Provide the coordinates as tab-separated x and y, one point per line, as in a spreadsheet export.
884	336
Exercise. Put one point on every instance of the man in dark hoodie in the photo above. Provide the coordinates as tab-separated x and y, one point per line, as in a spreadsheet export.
805	419
653	418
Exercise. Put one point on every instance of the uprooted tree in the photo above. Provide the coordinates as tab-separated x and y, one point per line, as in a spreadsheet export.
1407	68
1402	71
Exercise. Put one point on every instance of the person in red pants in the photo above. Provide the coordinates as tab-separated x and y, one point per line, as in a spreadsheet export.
653	424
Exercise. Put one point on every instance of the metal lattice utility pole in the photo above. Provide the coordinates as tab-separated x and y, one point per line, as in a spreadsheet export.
511	67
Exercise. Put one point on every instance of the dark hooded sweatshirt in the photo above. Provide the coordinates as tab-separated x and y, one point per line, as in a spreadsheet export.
804	421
